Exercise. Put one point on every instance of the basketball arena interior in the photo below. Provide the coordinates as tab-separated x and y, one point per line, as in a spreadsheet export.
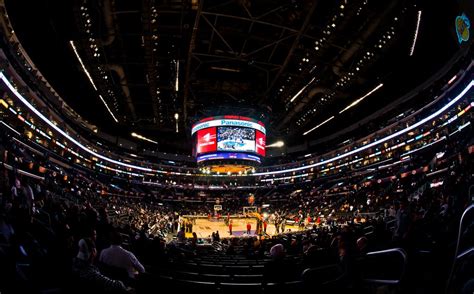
225	146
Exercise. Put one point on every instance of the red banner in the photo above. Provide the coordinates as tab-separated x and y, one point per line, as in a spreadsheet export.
260	143
206	140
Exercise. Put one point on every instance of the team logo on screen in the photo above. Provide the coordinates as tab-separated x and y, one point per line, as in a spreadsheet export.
462	28
207	137
260	140
206	140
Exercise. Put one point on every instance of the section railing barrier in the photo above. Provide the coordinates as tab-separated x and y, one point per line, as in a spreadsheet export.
466	222
471	197
400	274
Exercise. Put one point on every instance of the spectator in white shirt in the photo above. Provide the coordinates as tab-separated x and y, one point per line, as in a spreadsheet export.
118	257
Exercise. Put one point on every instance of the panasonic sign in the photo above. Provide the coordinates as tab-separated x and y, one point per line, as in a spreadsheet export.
228	123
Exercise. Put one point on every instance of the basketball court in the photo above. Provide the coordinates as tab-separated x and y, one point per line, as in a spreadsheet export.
205	227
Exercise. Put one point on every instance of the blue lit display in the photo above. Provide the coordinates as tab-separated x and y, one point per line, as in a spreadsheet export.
222	155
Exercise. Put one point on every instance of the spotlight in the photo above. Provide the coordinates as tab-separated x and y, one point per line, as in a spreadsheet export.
277	144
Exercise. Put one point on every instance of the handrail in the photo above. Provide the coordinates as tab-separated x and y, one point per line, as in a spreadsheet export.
458	256
22	172
465	253
470	199
391	250
388	251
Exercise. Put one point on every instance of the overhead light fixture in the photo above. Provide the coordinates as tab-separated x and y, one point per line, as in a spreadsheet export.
307	132
107	106
302	89
361	98
82	64
90	79
452	79
62	132
380	141
276	144
225	69
138	136
176	84
176	117
412	49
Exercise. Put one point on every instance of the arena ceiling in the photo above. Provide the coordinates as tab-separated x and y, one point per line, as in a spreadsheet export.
293	64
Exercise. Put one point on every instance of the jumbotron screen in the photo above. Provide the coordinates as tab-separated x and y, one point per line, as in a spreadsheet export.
221	135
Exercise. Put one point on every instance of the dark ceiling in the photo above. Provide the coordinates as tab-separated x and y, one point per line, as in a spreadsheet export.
242	57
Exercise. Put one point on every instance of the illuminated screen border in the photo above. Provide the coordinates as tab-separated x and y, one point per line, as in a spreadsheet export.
227	155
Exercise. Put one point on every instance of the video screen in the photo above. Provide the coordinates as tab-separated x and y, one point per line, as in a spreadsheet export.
260	143
235	139
206	140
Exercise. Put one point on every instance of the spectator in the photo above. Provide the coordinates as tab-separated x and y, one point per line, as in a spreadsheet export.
118	257
277	269
362	245
403	222
87	272
181	235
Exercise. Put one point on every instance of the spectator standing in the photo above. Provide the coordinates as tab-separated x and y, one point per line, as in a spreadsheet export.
118	257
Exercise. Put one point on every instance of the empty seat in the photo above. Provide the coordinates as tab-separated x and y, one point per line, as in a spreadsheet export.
248	278
194	286
215	278
240	287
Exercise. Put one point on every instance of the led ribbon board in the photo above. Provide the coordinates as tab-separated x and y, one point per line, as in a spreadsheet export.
227	123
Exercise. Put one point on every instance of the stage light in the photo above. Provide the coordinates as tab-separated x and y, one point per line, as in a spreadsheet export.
277	144
380	141
90	78
82	64
176	85
307	132
138	136
452	79
361	98
107	106
412	49
176	117
302	89
61	131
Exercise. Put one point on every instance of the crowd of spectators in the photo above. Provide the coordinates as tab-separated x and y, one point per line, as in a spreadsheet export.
64	230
